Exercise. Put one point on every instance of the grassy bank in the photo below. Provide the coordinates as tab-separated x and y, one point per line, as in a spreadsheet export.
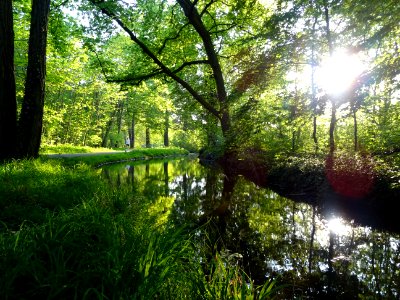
65	234
100	159
68	148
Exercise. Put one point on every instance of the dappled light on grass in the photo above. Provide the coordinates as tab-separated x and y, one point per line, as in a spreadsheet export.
350	175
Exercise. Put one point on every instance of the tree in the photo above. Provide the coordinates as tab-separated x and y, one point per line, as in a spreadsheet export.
188	47
332	100
8	102
31	117
29	128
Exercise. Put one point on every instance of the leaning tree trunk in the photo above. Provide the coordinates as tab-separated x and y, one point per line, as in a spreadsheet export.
31	118
8	102
195	19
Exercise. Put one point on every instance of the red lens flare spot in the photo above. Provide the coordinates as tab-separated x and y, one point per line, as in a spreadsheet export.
350	175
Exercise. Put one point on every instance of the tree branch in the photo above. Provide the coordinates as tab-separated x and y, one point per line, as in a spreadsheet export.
55	7
171	38
195	20
233	25
205	7
155	59
190	63
101	66
138	79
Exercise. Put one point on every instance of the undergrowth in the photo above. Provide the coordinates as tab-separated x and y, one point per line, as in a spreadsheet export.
66	235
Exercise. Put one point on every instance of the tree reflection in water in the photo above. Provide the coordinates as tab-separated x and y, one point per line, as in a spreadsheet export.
313	253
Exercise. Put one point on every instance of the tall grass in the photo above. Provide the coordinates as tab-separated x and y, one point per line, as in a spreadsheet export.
66	235
29	189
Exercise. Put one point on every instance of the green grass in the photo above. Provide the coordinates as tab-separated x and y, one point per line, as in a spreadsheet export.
32	188
137	154
68	148
65	234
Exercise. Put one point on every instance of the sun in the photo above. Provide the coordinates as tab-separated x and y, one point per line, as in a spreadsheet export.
338	226
337	72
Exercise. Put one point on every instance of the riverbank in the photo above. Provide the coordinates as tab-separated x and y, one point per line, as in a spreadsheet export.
101	158
66	234
366	187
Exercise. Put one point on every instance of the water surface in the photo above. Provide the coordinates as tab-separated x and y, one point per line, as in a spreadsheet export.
316	253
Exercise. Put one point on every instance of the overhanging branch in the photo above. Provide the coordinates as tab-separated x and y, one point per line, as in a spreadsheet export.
155	59
139	78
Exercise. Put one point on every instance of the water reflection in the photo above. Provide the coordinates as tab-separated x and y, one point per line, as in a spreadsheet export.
317	254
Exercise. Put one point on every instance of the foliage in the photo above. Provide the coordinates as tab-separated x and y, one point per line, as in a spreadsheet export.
101	86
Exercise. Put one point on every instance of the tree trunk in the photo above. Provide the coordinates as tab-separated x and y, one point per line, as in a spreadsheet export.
132	133
315	138
166	129
119	116
148	144
330	46
311	250
330	273
313	92
166	180
332	129
355	130
225	123
293	141
31	118
8	102
328	30
66	133
195	19
108	129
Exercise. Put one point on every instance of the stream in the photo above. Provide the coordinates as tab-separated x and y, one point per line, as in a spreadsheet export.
312	251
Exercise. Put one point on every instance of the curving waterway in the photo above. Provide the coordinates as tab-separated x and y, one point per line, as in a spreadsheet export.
313	252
